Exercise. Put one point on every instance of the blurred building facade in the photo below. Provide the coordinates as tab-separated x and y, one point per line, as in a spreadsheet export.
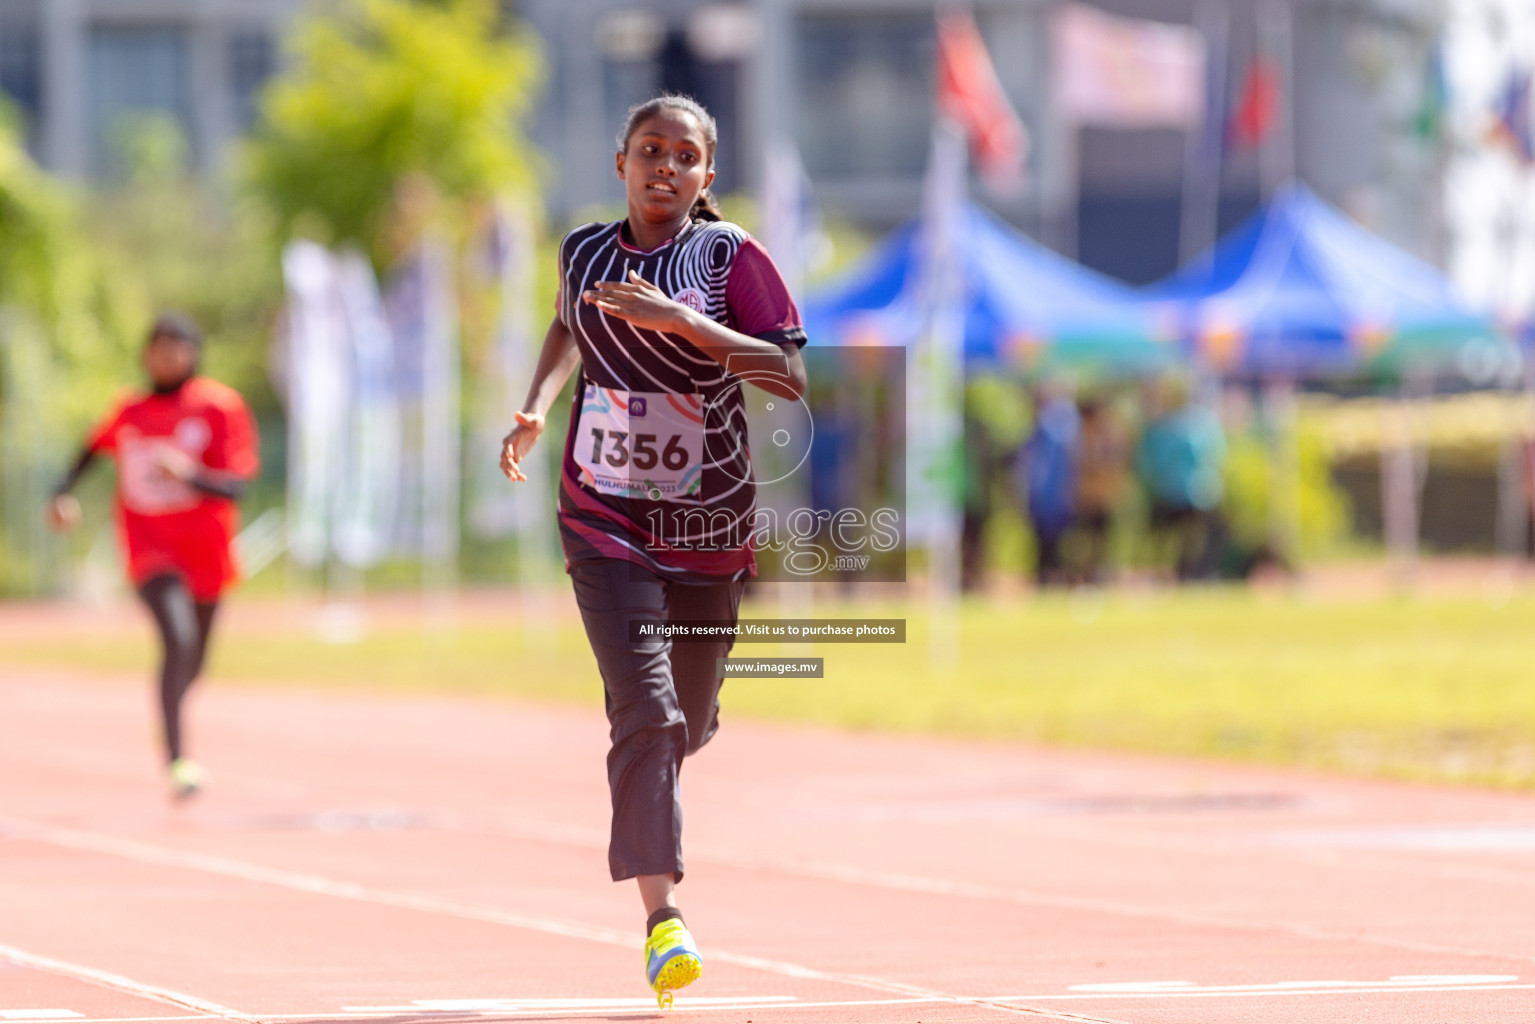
849	83
81	70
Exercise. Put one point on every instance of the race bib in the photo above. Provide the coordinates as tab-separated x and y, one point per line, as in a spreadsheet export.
146	487
641	444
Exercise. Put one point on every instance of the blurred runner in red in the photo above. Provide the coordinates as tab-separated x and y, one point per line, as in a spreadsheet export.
668	312
185	452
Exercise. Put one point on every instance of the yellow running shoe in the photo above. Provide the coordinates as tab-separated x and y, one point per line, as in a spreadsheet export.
187	778
671	960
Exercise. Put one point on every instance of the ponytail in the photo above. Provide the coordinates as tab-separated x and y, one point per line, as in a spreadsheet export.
705	207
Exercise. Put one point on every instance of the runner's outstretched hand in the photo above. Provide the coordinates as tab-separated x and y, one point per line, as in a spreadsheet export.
64	513
516	445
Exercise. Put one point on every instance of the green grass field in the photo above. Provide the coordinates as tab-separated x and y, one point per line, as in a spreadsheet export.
1430	688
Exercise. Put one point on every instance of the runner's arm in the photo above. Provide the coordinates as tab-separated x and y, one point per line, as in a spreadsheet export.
63	509
777	369
556	362
216	483
230	487
82	463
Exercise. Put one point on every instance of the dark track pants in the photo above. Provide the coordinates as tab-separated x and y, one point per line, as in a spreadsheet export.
184	624
662	701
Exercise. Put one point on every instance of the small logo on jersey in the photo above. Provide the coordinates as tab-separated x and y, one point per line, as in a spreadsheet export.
192	435
691	298
636	407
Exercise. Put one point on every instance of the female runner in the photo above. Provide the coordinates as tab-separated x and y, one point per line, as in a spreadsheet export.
185	452
666	312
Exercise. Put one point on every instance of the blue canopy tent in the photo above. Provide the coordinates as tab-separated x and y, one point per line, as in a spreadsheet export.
1024	306
1301	291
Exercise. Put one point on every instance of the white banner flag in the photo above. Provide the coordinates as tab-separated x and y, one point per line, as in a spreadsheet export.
318	390
369	490
1127	73
441	427
500	509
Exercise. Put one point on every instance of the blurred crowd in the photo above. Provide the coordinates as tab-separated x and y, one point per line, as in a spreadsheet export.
1104	479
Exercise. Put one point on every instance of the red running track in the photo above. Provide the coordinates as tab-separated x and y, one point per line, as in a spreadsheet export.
426	859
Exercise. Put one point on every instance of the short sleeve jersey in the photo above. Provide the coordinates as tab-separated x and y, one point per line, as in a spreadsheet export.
166	525
668	483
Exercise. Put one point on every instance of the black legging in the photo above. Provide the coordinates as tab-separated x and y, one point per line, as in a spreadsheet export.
184	624
662	700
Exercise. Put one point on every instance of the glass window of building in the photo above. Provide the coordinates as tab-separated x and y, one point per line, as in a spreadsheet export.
21	71
138	77
865	94
252	60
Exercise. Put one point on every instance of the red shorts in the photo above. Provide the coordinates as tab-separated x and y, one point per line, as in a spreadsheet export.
196	545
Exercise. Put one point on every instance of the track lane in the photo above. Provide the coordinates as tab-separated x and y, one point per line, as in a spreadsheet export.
1040	869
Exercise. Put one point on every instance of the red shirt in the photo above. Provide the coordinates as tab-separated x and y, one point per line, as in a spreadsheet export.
167	525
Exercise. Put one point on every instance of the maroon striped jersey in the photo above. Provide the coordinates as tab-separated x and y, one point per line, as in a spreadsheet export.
657	467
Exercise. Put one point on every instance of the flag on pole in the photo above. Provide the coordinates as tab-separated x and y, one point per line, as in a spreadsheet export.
318	388
1256	112
970	95
1127	73
420	300
497	508
441	444
369	489
793	229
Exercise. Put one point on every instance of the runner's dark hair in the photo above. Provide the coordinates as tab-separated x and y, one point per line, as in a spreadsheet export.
705	207
183	328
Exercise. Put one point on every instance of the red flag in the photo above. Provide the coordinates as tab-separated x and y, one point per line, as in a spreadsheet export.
970	95
1257	107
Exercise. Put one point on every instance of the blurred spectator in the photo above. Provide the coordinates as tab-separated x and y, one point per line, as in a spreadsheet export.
1047	472
1179	463
982	461
1103	458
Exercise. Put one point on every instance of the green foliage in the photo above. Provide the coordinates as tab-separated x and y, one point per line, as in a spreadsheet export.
194	248
56	291
1434	687
64	349
1255	478
383	94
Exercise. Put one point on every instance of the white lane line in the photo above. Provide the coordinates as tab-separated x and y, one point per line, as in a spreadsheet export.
511	1004
1180	989
1208	993
1401	980
929	885
933	886
122	984
40	1015
228	867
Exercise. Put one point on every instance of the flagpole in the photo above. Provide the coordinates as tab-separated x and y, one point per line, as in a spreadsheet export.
1200	206
937	373
1276	152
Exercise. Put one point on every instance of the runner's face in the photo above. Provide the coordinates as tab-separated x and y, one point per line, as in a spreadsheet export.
169	361
666	166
